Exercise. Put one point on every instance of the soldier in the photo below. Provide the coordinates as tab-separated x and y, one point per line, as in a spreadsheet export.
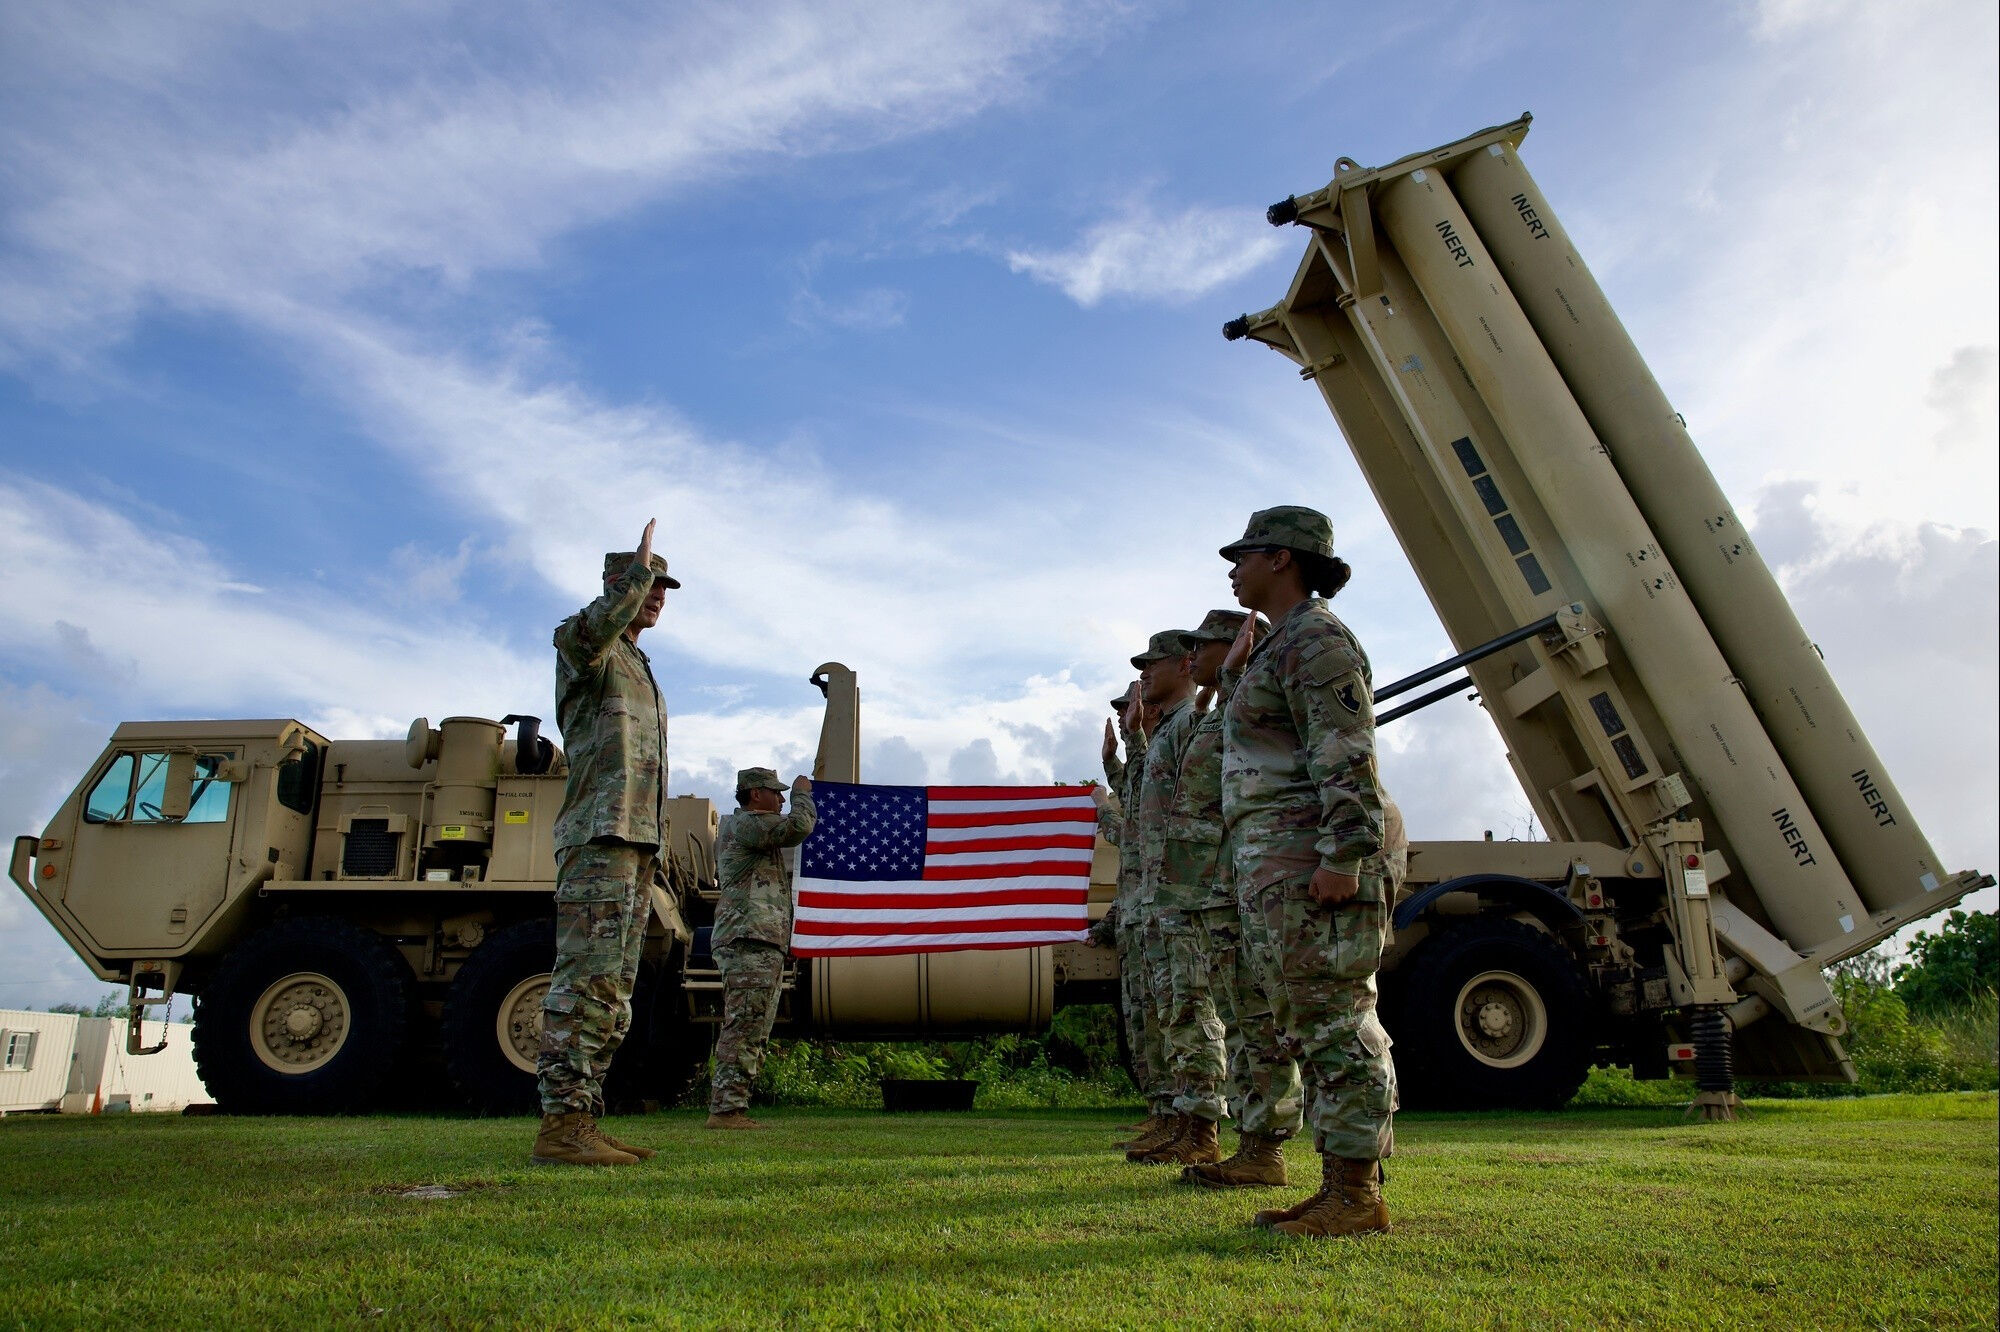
1142	1031
1302	807
609	837
1264	1092
753	928
1175	863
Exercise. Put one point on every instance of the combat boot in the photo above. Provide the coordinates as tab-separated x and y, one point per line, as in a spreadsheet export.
731	1119
1169	1131
1150	1126
1350	1203
629	1148
1259	1161
1196	1145
574	1139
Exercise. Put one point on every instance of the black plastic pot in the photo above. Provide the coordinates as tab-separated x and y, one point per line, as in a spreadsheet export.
928	1093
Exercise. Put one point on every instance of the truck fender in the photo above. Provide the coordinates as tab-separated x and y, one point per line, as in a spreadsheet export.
1547	904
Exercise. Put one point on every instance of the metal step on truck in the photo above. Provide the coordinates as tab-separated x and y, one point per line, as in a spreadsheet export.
362	917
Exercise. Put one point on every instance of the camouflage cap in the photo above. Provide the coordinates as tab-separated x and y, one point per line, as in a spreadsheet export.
1287	527
618	561
1219	626
758	779
1167	643
1124	700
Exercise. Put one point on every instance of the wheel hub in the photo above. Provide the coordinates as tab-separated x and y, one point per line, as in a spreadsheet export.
1502	1019
1495	1020
518	1022
299	1023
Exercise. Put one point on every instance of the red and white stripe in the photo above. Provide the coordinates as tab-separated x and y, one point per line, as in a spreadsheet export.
1004	867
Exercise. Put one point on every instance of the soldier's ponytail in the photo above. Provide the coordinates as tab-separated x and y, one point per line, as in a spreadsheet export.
1324	575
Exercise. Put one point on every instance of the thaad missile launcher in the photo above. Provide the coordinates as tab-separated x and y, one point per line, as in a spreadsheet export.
357	915
1655	690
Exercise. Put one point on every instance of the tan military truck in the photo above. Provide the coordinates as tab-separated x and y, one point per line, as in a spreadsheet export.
371	921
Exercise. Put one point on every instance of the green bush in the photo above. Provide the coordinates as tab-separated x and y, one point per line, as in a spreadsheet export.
1953	967
1072	1065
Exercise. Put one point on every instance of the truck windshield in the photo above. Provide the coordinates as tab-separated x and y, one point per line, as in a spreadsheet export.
133	788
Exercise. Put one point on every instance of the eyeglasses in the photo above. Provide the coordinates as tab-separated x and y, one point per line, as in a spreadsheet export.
1237	558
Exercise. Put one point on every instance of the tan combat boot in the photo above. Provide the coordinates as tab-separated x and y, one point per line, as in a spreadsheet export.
629	1148
1349	1204
1151	1126
1196	1145
1272	1216
573	1139
731	1119
1169	1131
1259	1162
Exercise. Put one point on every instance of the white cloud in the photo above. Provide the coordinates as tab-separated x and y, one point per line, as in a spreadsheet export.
1147	255
1803	260
151	182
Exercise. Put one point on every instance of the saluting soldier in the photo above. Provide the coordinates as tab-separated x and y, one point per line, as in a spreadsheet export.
1173	870
1264	1092
609	837
753	930
1303	811
1142	1029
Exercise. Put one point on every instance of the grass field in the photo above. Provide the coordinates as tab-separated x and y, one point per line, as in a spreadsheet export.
1865	1213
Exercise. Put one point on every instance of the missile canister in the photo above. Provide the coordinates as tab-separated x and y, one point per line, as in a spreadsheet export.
1885	854
1719	738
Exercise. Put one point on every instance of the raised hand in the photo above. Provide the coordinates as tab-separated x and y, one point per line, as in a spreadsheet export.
1239	651
646	542
1110	750
802	785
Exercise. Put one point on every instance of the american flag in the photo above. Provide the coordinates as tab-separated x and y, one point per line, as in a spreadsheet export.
929	869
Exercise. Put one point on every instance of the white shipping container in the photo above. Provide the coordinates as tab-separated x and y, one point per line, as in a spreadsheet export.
78	1065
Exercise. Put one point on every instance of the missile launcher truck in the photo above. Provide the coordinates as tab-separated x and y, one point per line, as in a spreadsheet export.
354	916
1724	830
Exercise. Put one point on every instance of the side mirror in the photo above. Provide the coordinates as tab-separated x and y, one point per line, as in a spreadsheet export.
179	793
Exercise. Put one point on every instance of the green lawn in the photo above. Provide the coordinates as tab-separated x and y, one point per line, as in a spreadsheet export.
1877	1212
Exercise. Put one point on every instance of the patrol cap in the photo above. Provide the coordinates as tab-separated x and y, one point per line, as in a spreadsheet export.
1288	527
1166	643
1219	626
758	779
1124	700
618	561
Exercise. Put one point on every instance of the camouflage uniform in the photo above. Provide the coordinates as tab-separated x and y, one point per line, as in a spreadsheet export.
1135	988
1264	1094
1174	870
1300	793
753	928
608	835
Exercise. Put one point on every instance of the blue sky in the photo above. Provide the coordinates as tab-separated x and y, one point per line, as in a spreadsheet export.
335	349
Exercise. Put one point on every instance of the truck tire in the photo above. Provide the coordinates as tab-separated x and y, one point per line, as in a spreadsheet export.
307	1016
492	1025
664	1055
1490	1014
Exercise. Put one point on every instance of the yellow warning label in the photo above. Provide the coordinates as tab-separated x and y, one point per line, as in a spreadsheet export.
452	831
516	816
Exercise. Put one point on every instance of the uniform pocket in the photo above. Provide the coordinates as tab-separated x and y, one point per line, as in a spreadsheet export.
1328	942
591	888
